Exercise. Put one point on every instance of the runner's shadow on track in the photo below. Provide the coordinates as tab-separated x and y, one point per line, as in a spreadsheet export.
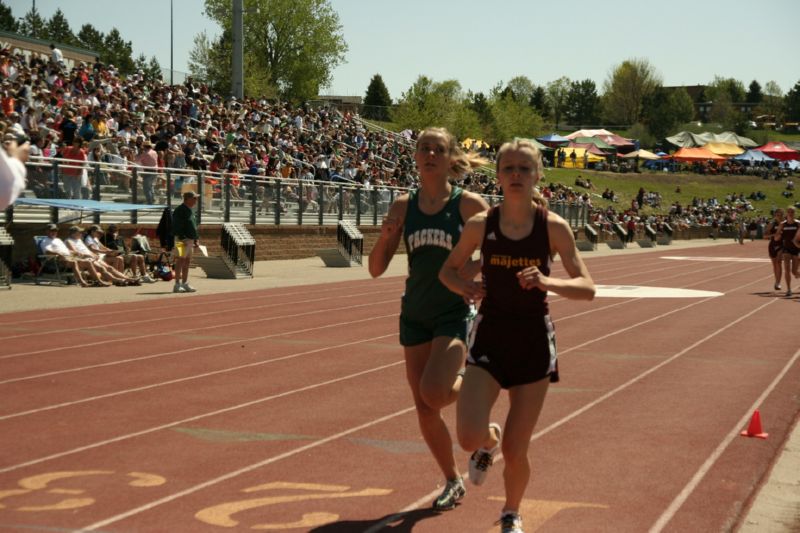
771	294
403	523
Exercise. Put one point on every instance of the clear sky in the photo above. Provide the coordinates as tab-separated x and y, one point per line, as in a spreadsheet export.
480	43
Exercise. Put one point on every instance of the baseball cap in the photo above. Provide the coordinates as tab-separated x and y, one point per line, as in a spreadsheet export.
51	227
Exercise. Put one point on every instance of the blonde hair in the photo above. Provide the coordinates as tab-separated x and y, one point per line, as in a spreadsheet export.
523	144
461	162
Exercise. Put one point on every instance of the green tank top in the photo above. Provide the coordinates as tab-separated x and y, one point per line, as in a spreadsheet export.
428	240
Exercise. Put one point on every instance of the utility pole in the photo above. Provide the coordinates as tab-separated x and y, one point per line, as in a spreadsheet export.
171	47
238	50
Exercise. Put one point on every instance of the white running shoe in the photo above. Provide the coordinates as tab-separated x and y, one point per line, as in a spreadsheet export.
188	288
482	459
147	279
178	288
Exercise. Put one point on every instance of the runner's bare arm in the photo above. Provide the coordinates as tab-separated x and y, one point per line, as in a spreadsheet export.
451	274
579	286
391	233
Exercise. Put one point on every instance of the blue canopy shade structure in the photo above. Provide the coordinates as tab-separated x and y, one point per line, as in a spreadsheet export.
553	140
753	156
85	205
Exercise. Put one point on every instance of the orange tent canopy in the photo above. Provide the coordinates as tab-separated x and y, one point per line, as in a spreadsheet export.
696	154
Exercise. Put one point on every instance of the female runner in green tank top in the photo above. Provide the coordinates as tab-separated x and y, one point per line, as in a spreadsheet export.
433	320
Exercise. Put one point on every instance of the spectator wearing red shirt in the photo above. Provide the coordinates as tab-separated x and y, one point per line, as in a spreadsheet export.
71	172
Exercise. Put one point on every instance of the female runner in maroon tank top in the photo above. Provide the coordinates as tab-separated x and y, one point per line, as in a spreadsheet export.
775	246
512	343
791	248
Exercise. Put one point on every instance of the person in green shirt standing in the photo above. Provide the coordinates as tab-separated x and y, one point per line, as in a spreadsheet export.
184	229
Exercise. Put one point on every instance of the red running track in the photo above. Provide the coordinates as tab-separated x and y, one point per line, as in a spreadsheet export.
287	409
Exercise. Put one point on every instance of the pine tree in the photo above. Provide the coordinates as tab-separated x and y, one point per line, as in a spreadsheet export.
57	29
92	39
118	52
7	20
32	25
377	100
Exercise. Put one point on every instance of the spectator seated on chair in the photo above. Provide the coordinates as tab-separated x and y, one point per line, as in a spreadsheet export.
135	262
52	245
112	257
75	243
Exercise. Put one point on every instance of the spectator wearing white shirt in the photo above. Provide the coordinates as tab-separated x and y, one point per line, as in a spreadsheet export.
52	245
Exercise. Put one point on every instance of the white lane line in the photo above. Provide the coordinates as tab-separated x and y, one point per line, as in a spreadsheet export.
160	319
224	410
193	349
184	379
200	328
137	307
684	494
717	259
328	439
245	470
145	387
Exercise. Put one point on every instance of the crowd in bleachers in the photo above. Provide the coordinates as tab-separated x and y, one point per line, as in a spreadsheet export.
92	113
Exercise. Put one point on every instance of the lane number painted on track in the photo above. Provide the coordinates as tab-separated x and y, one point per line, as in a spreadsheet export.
44	492
222	514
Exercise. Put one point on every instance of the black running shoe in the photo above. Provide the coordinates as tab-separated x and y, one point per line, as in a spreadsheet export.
452	493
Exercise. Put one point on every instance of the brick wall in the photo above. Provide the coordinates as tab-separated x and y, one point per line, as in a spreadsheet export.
272	242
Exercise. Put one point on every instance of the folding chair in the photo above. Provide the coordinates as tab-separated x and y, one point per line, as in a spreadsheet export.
49	269
140	244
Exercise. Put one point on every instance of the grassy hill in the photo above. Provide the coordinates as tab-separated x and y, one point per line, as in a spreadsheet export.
691	185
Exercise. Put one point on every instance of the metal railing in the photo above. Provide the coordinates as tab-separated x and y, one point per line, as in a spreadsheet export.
224	196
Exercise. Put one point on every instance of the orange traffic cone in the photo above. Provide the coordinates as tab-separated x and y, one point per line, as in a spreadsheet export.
754	429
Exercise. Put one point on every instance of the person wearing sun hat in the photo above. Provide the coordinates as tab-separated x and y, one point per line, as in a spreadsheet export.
184	230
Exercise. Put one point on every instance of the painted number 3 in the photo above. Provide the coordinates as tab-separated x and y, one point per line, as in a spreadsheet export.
36	487
222	514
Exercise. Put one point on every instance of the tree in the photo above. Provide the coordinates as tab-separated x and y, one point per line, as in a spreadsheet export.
32	24
626	89
557	92
521	88
429	103
118	52
791	103
57	29
538	102
513	118
582	106
151	70
7	20
754	95
773	100
480	105
90	38
665	109
296	43
734	89
377	100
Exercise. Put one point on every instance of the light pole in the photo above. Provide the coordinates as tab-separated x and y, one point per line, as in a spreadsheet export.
171	41
238	50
